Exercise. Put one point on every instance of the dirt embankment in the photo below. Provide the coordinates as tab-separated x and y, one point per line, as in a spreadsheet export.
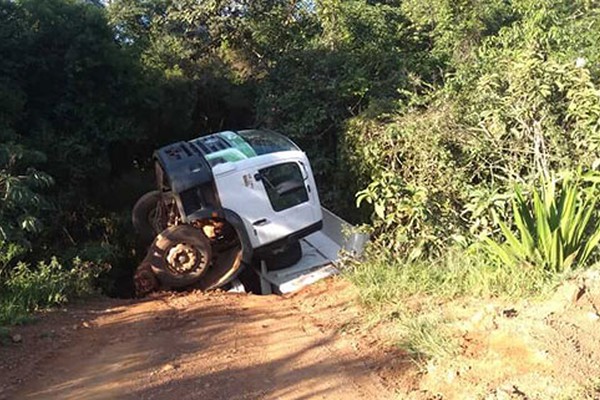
196	345
525	350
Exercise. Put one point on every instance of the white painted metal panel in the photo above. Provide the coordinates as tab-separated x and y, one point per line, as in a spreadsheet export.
320	256
241	192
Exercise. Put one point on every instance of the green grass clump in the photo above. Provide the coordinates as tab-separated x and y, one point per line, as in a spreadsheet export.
425	336
557	227
381	279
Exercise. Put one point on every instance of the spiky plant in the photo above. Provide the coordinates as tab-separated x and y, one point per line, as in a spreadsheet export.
557	227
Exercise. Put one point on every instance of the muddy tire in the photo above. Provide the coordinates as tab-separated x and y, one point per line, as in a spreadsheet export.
284	257
145	219
180	256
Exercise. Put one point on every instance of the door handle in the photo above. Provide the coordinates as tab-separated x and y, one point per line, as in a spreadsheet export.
260	222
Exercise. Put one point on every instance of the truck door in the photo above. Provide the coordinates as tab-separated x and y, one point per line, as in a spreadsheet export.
291	193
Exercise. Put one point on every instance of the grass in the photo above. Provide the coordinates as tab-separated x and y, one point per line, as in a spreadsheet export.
425	336
13	312
409	293
461	272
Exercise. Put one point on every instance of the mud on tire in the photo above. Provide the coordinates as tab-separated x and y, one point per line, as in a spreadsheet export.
180	256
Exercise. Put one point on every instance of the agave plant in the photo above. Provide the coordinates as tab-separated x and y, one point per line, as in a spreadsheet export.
557	228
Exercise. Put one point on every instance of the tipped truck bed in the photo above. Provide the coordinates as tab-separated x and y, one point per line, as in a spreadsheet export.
320	256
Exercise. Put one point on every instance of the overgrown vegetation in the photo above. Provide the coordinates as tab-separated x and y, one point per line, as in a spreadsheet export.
432	111
48	284
557	228
463	179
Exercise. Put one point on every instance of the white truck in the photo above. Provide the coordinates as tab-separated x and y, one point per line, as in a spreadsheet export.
231	200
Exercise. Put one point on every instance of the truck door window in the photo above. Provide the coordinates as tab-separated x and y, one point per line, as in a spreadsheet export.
284	185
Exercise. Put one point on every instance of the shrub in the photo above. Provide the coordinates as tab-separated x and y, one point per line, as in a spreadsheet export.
27	289
523	104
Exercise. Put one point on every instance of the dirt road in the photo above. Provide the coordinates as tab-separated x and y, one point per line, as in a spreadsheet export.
195	345
313	345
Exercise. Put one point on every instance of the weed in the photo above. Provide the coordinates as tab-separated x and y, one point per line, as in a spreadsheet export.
557	228
425	336
27	289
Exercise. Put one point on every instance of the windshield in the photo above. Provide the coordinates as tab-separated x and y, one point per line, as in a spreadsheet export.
265	142
232	146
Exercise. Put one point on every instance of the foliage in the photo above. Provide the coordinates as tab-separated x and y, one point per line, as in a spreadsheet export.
558	228
27	289
189	49
71	99
458	273
358	60
70	78
415	198
456	28
20	187
521	105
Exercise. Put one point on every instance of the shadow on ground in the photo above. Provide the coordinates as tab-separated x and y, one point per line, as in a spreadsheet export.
211	346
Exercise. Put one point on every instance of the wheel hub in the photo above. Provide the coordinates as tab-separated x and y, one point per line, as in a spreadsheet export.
184	259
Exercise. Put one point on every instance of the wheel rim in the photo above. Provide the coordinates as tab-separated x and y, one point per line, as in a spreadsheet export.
184	259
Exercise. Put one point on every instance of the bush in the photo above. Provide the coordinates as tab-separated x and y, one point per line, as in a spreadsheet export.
521	104
27	289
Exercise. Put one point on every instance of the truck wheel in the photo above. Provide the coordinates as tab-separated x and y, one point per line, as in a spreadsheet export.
181	255
284	257
145	217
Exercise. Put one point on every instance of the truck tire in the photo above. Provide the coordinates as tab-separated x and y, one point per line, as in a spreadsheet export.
144	217
284	257
180	256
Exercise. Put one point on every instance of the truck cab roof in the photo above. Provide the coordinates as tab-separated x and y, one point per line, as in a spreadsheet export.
230	146
189	164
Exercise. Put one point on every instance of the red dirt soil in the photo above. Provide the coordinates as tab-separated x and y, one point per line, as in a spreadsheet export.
202	345
311	345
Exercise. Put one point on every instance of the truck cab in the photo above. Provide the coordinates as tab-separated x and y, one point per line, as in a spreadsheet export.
254	188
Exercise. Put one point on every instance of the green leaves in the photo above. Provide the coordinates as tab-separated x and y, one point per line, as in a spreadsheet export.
404	210
51	283
557	229
21	200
